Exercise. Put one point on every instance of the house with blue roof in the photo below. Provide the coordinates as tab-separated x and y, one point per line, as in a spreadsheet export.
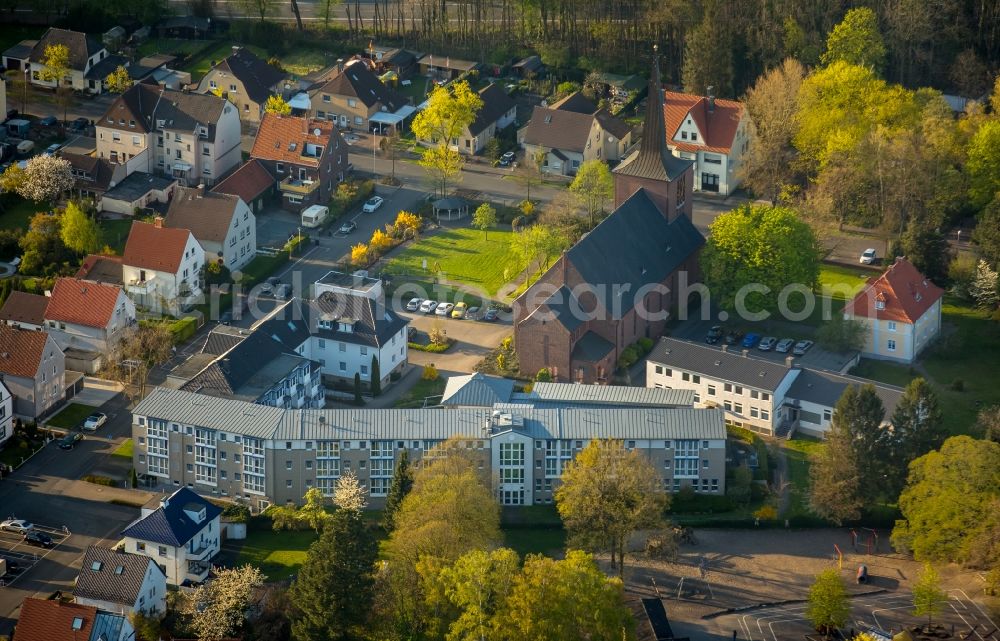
180	532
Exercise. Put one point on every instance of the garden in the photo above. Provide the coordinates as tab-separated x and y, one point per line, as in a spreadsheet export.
25	441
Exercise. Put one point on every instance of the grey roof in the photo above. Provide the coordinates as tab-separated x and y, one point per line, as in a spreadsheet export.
575	102
258	421
374	323
558	129
496	103
20	51
136	185
826	388
531	63
147	102
81	46
221	339
256	75
591	348
112	575
104	67
208	215
477	390
169	524
563	307
720	364
543	394
358	81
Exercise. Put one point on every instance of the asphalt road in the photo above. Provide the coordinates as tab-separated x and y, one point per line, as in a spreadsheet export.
46	491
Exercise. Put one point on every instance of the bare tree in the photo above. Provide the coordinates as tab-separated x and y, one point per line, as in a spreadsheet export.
139	349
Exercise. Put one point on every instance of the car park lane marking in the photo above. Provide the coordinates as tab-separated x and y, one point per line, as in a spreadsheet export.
19	551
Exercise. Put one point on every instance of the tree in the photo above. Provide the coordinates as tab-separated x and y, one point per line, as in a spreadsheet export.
442	164
768	167
137	351
856	40
478	585
119	80
986	235
708	59
988	421
566	599
828	608
399	488
606	495
529	174
449	111
925	246
392	147
357	390
543	376
11	179
147	628
313	511
45	178
840	334
349	494
260	8
334	589
133	478
218	608
376	377
761	245
834	492
359	255
276	105
928	597
594	186
43	246
983	164
485	218
917	428
950	496
79	231
738	488
538	242
327	8
55	64
984	287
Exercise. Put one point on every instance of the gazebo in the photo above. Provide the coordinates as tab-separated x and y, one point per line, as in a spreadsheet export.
452	208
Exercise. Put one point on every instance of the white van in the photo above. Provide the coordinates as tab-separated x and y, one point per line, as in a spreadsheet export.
25	146
314	215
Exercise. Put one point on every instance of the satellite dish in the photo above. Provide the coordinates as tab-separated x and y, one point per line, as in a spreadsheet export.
316	131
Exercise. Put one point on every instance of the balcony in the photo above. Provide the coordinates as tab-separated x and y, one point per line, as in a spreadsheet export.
199	553
298	187
197	571
136	286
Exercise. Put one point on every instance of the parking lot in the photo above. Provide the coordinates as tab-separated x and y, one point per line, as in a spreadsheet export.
22	557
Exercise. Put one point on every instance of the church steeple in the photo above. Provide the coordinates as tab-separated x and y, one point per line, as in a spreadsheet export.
654	135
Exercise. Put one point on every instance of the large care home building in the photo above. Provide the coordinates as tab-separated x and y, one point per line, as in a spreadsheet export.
713	133
222	224
766	396
571	132
161	267
246	81
194	138
595	300
114	580
900	311
182	532
307	157
266	455
85	71
353	97
33	369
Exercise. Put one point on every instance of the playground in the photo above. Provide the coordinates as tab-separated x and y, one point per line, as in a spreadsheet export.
755	583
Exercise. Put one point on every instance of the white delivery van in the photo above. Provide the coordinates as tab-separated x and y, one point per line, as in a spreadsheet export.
314	215
25	146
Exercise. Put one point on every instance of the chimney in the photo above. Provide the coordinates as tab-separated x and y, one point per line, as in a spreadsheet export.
236	48
711	99
340	64
158	222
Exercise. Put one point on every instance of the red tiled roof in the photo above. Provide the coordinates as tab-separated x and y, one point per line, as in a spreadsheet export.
22	307
905	293
101	268
718	127
43	620
157	248
83	302
284	139
249	181
21	351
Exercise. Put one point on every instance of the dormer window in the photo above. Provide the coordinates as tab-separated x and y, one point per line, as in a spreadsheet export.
325	324
880	304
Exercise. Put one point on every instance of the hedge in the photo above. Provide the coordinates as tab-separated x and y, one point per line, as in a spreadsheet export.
433	348
183	329
339	206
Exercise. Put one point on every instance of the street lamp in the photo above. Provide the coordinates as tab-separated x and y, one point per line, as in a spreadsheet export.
374	147
24	98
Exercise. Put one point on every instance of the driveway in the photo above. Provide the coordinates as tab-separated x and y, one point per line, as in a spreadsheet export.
473	341
97	391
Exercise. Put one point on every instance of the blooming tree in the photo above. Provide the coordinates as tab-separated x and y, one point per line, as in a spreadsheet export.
349	493
45	178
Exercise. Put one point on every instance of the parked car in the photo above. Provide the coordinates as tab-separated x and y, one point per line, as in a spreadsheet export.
459	311
767	343
348	227
802	347
472	313
491	315
48	121
733	337
79	124
52	149
283	291
350	139
428	306
38	539
444	309
372	204
17	525
95	421
784	345
868	256
507	159
69	441
714	335
414	304
751	340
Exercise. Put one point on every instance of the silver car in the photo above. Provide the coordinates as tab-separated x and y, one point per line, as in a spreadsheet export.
767	343
784	345
802	347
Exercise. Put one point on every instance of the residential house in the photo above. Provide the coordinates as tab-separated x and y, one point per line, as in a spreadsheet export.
16	57
136	191
354	97
86	319
33	369
3	97
161	267
308	158
766	396
252	182
530	67
24	310
571	132
900	311
114	580
92	176
444	68
246	81
223	225
184	27
594	301
498	112
181	533
57	620
264	366
273	455
103	269
192	137
85	57
712	132
6	414
400	62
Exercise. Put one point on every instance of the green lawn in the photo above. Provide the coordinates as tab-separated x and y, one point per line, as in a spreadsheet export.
797	451
278	554
201	63
884	371
461	255
842	282
550	541
16	213
421	390
414	90
303	61
125	449
171	46
114	233
71	416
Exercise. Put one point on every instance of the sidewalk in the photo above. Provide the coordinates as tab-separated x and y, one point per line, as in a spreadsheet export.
389	397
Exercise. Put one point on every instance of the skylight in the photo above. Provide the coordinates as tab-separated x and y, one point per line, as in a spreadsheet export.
77	623
96	566
119	569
